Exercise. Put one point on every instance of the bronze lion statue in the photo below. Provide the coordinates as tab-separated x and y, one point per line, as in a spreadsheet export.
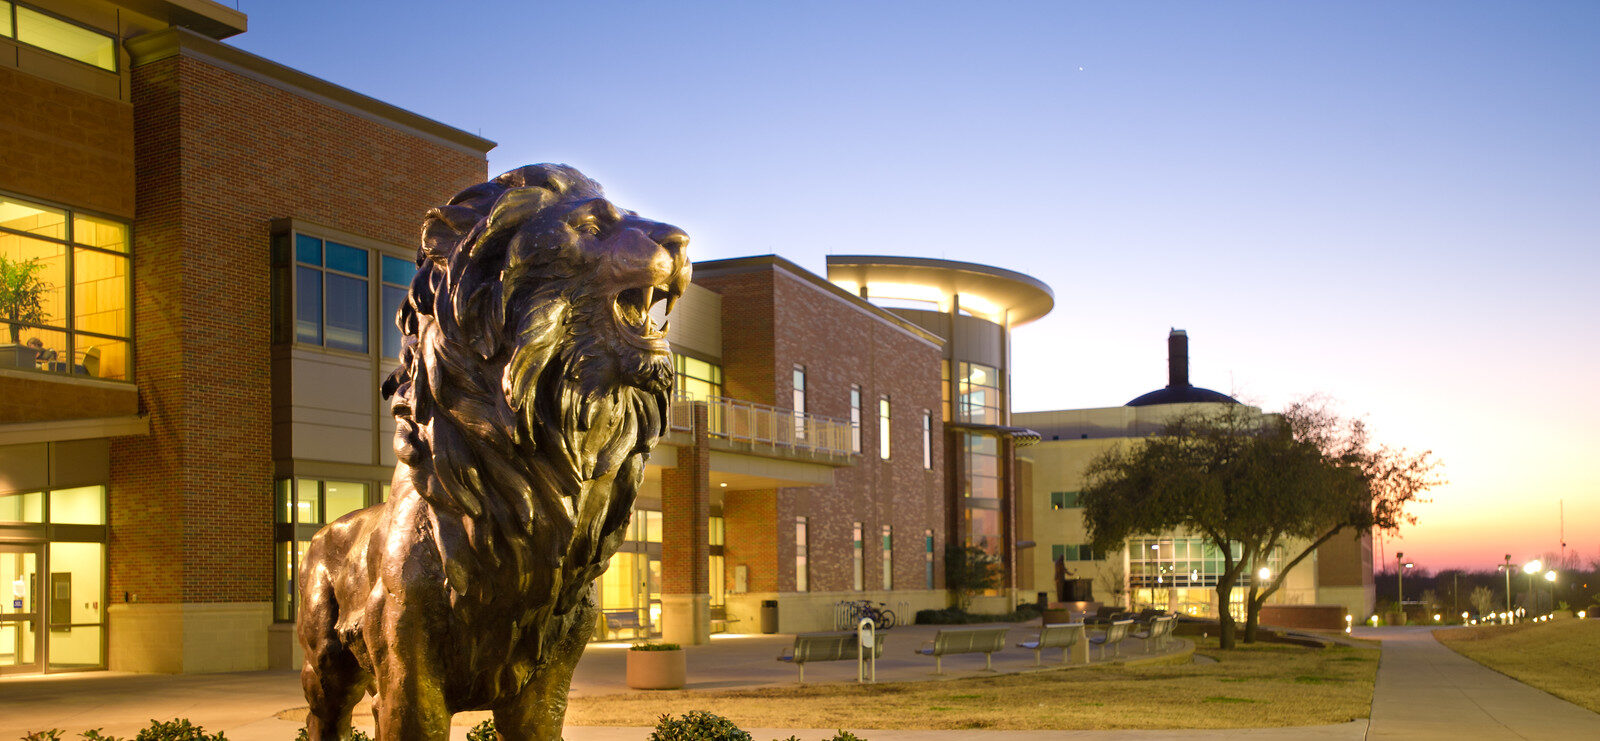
533	385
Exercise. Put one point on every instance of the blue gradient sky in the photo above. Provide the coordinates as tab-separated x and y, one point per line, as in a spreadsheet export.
1393	204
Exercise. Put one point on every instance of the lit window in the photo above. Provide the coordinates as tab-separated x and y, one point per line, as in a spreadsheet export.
855	419
697	380
62	37
303	507
979	394
1063	499
802	581
883	427
927	440
66	307
799	402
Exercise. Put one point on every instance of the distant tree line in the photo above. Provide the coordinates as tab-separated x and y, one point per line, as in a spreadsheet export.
1451	592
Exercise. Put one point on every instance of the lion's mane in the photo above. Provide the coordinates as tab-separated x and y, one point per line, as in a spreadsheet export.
511	394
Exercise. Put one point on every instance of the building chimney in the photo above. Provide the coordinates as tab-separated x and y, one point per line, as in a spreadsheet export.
1177	359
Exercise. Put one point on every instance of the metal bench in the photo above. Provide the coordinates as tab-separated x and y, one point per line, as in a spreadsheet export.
617	620
964	641
1158	632
719	614
1064	636
830	646
1112	636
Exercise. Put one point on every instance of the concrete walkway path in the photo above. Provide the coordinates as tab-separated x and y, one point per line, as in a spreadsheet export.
1427	691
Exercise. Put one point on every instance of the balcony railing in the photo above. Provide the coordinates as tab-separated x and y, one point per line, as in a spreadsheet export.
763	426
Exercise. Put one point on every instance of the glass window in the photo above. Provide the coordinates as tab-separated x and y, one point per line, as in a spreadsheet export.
799	402
883	427
715	531
802	581
857	560
331	294
983	529
855	419
927	439
308	508
927	558
397	275
341	498
67	39
979	394
697	380
983	466
85	505
65	306
5	19
888	557
1063	499
23	507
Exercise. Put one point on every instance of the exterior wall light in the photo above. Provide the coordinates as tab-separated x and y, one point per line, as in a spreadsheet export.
1265	573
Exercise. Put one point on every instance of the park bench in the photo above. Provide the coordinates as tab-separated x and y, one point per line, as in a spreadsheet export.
964	641
719	614
618	620
1112	636
830	646
1059	635
1158	632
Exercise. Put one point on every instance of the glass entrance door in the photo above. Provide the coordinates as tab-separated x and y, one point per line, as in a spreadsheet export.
21	641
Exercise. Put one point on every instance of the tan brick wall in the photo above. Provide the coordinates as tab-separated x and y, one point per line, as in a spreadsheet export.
219	155
65	145
773	320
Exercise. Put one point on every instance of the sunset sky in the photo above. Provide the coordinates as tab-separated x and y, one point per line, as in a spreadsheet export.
1396	205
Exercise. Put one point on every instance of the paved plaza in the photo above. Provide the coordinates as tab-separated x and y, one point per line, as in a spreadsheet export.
1423	691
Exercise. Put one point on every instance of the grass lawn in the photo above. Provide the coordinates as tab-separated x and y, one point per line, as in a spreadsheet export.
1558	657
1252	687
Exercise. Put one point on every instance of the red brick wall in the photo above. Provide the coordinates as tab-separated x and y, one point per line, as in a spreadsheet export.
685	509
65	145
218	156
774	319
44	399
752	532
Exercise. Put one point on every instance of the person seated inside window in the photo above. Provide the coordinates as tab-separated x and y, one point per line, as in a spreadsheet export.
42	356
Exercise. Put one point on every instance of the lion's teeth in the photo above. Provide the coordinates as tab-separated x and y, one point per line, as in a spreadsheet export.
664	326
649	297
672	300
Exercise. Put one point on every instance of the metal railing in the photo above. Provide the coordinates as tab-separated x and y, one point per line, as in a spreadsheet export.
766	426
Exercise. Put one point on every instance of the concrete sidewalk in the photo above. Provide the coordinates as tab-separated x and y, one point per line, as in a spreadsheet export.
1427	691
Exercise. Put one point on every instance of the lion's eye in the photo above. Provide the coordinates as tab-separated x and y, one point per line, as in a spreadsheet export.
589	227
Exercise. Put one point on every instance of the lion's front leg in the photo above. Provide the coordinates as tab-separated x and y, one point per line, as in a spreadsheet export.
537	712
410	669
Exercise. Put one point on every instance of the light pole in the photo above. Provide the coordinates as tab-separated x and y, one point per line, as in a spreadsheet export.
1507	568
1400	567
1530	568
1550	576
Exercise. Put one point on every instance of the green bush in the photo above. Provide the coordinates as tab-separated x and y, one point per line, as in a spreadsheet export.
655	647
697	725
956	616
483	732
177	729
356	734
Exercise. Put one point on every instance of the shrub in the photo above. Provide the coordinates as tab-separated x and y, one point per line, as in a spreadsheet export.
356	734
177	729
697	725
483	732
655	647
955	616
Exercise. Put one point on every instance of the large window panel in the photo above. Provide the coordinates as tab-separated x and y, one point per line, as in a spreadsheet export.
397	275
67	39
346	303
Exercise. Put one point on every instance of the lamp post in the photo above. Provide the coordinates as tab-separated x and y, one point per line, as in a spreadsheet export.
1400	566
1550	576
1507	568
1530	568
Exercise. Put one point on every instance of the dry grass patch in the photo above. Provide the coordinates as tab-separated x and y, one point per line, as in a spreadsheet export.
1558	657
1257	686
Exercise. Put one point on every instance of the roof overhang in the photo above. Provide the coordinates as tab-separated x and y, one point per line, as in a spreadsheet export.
1005	297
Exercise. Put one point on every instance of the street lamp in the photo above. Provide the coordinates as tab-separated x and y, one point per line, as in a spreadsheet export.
1400	566
1530	568
1550	576
1507	569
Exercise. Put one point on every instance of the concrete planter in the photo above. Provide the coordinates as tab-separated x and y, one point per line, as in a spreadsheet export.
657	670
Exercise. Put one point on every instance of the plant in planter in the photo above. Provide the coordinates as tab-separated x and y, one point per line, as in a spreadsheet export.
21	300
656	666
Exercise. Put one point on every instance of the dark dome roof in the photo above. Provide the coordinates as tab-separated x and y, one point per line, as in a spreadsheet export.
1182	395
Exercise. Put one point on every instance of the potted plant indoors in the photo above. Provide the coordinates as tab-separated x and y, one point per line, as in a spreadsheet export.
656	666
21	300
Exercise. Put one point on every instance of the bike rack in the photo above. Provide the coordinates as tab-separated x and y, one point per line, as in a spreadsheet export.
866	653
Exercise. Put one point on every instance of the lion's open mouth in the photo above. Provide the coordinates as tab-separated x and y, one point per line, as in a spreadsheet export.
632	311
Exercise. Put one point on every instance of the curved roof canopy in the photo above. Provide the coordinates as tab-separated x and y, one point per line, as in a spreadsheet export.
1002	296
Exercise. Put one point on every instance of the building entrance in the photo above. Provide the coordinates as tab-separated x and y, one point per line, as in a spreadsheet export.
21	640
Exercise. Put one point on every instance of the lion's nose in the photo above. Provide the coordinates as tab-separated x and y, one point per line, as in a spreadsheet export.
671	238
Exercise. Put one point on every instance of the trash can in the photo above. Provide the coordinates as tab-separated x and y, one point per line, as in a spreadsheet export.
769	616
